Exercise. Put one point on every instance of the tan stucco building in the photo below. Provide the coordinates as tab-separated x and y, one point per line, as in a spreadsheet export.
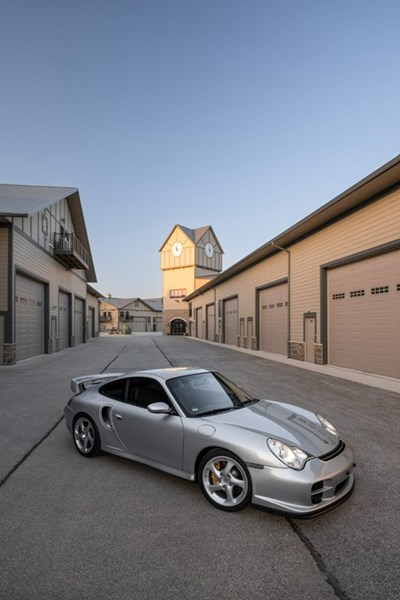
130	315
327	290
189	259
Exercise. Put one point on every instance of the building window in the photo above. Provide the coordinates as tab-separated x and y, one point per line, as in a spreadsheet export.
384	289
357	293
177	293
340	296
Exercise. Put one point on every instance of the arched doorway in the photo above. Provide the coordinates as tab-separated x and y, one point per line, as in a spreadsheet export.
178	327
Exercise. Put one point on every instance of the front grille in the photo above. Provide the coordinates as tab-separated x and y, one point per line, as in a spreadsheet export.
329	488
335	452
341	485
317	491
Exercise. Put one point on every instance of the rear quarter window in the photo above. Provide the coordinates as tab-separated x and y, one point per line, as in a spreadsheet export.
114	389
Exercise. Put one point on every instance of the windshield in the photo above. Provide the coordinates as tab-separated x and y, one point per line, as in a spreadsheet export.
207	393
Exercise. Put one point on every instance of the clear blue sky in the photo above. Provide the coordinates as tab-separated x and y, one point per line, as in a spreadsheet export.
244	115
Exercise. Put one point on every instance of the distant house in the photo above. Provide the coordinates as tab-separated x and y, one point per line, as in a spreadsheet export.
130	315
45	267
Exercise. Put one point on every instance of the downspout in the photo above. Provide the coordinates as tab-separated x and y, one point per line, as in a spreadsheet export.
289	302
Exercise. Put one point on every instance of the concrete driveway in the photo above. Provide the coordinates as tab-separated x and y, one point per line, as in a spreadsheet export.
108	528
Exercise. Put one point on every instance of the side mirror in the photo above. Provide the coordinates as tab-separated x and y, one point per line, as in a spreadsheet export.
159	408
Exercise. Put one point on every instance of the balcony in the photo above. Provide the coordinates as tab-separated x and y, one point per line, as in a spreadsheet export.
69	250
104	318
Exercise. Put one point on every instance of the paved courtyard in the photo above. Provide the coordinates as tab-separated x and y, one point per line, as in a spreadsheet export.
108	528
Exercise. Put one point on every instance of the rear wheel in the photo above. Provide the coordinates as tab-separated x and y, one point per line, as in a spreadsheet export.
225	480
86	436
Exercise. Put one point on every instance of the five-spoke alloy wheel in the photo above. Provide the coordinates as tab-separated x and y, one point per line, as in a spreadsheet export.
225	480
86	436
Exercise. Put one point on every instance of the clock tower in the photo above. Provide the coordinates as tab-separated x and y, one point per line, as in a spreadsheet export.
189	259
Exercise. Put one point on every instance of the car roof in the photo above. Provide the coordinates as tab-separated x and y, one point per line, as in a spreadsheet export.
169	373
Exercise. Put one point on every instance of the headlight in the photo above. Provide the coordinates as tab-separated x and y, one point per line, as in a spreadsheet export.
327	425
291	456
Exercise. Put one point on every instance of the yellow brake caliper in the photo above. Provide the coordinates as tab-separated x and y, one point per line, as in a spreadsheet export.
213	477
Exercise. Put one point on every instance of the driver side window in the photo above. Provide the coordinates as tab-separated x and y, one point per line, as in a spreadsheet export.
142	392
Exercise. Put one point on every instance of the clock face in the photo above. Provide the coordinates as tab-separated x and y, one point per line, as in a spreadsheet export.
209	250
176	249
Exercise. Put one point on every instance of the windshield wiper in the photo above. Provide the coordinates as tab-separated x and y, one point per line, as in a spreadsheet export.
249	401
235	407
216	410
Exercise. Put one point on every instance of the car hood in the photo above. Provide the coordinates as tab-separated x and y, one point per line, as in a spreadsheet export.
271	419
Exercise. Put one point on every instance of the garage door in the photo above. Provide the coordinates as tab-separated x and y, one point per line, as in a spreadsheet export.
139	324
210	319
158	323
30	317
364	315
91	322
64	319
231	321
79	308
199	322
273	319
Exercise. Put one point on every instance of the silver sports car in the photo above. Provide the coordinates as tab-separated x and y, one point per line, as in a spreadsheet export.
200	426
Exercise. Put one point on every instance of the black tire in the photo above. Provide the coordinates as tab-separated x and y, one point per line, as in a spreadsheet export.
86	436
224	480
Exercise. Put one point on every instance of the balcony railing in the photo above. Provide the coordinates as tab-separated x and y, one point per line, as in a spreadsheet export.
70	251
104	318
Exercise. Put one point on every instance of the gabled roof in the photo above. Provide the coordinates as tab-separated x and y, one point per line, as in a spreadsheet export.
93	292
118	302
368	189
27	200
154	304
193	234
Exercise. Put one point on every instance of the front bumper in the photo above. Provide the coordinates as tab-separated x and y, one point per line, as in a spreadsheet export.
319	486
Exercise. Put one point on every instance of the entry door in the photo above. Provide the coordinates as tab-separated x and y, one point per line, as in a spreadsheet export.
309	337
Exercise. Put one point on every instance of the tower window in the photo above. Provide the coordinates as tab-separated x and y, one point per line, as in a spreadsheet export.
177	293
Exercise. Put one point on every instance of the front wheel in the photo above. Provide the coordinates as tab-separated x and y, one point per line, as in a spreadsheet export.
225	480
86	436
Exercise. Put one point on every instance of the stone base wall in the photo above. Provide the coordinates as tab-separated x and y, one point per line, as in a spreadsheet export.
296	350
9	354
318	354
247	342
178	313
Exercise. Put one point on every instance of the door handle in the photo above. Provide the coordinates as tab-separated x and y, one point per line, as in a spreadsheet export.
117	416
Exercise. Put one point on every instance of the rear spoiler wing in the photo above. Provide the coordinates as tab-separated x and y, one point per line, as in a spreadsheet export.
78	384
